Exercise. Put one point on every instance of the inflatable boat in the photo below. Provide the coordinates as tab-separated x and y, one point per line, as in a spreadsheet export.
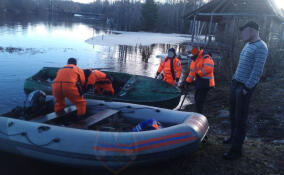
105	137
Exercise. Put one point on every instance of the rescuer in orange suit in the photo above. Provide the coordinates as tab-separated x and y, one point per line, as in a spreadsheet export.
171	67
202	74
102	83
68	83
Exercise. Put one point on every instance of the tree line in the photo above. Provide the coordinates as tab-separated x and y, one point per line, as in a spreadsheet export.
129	15
147	16
17	7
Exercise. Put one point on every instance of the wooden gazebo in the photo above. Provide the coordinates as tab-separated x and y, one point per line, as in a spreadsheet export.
222	18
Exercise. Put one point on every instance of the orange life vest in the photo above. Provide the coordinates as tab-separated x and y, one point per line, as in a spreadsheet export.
101	82
70	74
66	85
170	76
202	70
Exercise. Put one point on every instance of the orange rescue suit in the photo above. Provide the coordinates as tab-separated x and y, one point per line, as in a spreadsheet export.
64	85
103	84
166	67
202	71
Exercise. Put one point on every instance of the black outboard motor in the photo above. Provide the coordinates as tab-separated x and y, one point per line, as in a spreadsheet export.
35	99
36	104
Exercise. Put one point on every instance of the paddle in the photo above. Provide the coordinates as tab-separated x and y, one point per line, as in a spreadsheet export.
185	95
185	92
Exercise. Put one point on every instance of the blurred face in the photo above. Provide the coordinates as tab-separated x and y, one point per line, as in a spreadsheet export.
246	34
171	54
188	49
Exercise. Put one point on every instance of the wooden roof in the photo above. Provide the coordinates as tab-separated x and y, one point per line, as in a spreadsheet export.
242	8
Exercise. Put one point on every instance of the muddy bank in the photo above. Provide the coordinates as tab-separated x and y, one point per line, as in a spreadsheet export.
265	115
259	158
264	144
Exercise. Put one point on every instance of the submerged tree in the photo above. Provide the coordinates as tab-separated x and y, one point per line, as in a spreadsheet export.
149	14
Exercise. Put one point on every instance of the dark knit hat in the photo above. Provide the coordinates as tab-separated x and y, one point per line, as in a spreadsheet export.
250	24
72	61
172	50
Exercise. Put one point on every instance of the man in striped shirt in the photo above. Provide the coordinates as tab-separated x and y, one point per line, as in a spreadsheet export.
245	79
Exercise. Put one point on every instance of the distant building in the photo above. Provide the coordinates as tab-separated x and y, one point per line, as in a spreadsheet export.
221	20
282	32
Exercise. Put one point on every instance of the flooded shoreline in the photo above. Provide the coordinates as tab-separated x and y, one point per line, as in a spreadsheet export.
27	45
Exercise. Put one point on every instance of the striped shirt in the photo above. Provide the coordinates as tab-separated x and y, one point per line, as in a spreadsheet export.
251	63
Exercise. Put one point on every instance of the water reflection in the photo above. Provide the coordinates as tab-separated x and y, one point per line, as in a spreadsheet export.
44	41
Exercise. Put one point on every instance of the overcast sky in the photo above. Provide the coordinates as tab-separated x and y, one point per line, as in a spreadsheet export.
280	3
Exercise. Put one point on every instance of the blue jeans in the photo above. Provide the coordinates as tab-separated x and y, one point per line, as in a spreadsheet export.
239	108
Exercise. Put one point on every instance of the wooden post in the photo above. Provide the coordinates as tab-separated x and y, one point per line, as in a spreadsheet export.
233	32
193	33
51	6
233	41
264	30
210	26
206	35
282	32
190	27
268	30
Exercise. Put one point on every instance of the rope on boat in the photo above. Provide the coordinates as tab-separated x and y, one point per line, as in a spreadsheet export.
24	134
57	140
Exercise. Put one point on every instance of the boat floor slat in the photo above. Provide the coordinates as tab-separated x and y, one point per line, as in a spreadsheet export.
55	115
95	118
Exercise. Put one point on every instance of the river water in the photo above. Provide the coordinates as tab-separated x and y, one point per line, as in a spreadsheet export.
29	43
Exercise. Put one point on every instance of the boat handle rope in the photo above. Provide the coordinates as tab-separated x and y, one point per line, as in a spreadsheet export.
24	134
43	128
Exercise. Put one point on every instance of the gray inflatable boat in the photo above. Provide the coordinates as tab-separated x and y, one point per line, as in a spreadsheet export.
104	138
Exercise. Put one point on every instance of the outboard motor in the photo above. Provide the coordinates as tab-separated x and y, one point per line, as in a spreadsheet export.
36	104
35	99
